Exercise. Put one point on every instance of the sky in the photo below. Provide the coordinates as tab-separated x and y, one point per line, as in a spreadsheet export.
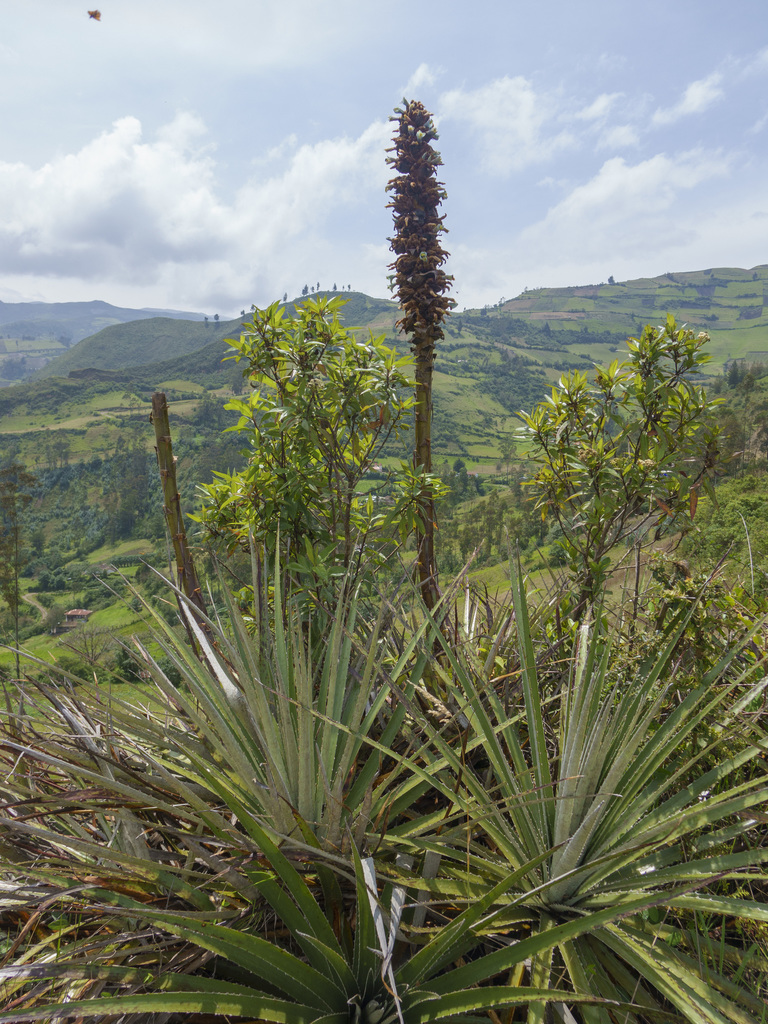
204	156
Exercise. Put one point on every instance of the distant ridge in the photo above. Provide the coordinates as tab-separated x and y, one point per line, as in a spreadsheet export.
153	340
74	320
555	327
492	362
138	343
719	298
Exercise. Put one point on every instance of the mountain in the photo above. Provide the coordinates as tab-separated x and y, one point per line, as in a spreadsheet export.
556	328
492	362
100	390
34	333
155	339
73	320
139	343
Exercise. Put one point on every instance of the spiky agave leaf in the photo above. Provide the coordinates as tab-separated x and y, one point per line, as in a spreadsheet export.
195	786
636	835
323	979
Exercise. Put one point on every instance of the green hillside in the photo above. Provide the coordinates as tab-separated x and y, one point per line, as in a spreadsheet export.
492	362
86	433
34	333
153	339
138	343
728	303
85	414
556	328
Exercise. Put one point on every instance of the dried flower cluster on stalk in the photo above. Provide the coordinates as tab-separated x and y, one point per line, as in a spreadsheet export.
421	285
416	195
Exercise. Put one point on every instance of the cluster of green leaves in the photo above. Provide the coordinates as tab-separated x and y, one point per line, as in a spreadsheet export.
626	454
17	487
322	407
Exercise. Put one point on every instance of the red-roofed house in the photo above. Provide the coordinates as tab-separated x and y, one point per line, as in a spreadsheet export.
76	617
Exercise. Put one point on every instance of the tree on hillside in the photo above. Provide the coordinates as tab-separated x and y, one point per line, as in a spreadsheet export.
54	617
92	643
507	451
623	456
747	385
16	492
422	287
322	405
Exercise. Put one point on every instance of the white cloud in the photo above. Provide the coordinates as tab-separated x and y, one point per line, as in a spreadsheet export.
599	109
664	214
422	77
629	220
613	211
695	100
758	65
621	136
610	62
514	123
550	182
150	214
13	295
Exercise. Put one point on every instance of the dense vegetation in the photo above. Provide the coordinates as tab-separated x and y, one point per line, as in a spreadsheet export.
99	494
318	790
381	812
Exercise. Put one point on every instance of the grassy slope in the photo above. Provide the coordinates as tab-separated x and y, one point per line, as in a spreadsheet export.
91	412
726	302
88	408
139	343
40	331
162	339
550	329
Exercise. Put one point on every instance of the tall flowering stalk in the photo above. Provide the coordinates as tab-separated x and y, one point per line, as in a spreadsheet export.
422	287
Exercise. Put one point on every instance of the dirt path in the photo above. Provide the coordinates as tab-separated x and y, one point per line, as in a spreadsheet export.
31	599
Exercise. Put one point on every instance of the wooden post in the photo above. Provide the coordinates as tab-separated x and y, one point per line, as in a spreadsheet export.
166	461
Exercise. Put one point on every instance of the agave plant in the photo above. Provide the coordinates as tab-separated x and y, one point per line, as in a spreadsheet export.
330	976
265	734
562	856
642	838
180	860
278	722
150	866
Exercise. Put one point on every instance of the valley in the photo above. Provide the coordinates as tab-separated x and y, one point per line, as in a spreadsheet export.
81	425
